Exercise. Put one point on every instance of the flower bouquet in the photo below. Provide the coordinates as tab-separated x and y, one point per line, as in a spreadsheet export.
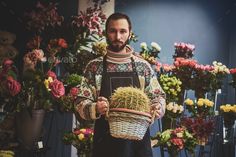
9	90
184	50
81	139
171	86
228	112
220	72
202	80
200	108
9	86
150	53
233	77
175	140
201	128
173	112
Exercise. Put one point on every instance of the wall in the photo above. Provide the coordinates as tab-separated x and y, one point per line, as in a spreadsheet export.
232	50
204	23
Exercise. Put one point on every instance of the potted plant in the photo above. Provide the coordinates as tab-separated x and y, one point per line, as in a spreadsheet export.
129	113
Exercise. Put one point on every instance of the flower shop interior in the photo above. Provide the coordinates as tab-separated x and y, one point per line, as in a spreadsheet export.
46	44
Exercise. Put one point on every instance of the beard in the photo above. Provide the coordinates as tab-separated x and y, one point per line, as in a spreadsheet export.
116	46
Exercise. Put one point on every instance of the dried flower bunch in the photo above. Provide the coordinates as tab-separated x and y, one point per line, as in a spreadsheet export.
200	127
43	16
130	98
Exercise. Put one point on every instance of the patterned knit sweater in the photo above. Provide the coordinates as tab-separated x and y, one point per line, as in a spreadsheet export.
91	85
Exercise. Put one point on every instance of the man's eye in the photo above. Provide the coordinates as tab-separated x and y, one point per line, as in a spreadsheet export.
123	31
112	31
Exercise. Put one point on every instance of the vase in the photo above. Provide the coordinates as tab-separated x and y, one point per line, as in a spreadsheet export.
83	154
168	123
29	127
173	153
228	120
202	141
6	153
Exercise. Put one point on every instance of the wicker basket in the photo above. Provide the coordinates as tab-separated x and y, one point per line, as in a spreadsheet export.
128	124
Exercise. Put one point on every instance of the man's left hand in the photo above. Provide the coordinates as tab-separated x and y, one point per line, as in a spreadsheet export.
156	110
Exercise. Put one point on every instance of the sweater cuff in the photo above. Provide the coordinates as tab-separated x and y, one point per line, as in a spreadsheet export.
93	112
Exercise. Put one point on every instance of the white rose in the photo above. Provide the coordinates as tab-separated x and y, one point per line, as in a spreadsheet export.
169	106
156	46
181	108
143	45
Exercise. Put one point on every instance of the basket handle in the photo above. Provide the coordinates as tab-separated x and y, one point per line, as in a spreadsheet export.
153	117
107	113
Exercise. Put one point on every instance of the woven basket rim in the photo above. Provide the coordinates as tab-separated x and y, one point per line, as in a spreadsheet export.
130	111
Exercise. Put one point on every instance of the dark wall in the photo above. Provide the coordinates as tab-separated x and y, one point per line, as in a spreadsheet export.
55	123
12	18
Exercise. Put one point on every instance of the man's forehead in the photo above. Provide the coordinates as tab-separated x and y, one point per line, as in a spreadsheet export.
120	24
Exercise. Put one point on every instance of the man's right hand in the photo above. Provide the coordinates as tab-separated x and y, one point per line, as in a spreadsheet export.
102	105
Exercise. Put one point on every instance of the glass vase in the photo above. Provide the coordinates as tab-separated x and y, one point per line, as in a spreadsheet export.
83	154
173	153
168	123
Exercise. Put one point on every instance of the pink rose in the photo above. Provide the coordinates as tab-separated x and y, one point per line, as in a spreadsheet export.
51	74
62	43
57	88
74	91
232	71
7	63
12	86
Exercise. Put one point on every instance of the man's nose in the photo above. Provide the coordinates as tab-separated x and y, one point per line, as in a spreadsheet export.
118	36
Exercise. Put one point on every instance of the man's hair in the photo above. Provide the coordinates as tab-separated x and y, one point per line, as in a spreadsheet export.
117	16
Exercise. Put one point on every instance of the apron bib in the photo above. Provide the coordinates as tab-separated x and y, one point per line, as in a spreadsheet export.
104	144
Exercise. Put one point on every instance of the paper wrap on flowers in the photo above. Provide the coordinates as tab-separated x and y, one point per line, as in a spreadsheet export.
129	115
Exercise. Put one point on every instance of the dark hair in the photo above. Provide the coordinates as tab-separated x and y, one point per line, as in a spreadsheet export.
117	16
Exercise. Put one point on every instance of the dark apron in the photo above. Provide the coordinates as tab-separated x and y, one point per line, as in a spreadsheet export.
104	144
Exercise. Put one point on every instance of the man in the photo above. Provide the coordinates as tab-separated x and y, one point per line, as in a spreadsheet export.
103	75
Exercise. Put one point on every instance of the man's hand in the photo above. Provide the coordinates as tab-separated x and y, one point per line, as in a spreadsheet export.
156	110
102	105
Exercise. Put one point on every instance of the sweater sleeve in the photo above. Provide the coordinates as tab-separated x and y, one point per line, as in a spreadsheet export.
86	102
154	90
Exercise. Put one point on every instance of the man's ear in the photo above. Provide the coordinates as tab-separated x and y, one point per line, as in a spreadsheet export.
130	34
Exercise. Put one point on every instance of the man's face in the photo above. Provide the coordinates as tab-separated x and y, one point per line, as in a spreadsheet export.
118	34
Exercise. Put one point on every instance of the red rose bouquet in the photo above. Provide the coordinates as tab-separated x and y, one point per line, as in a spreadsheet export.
9	86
